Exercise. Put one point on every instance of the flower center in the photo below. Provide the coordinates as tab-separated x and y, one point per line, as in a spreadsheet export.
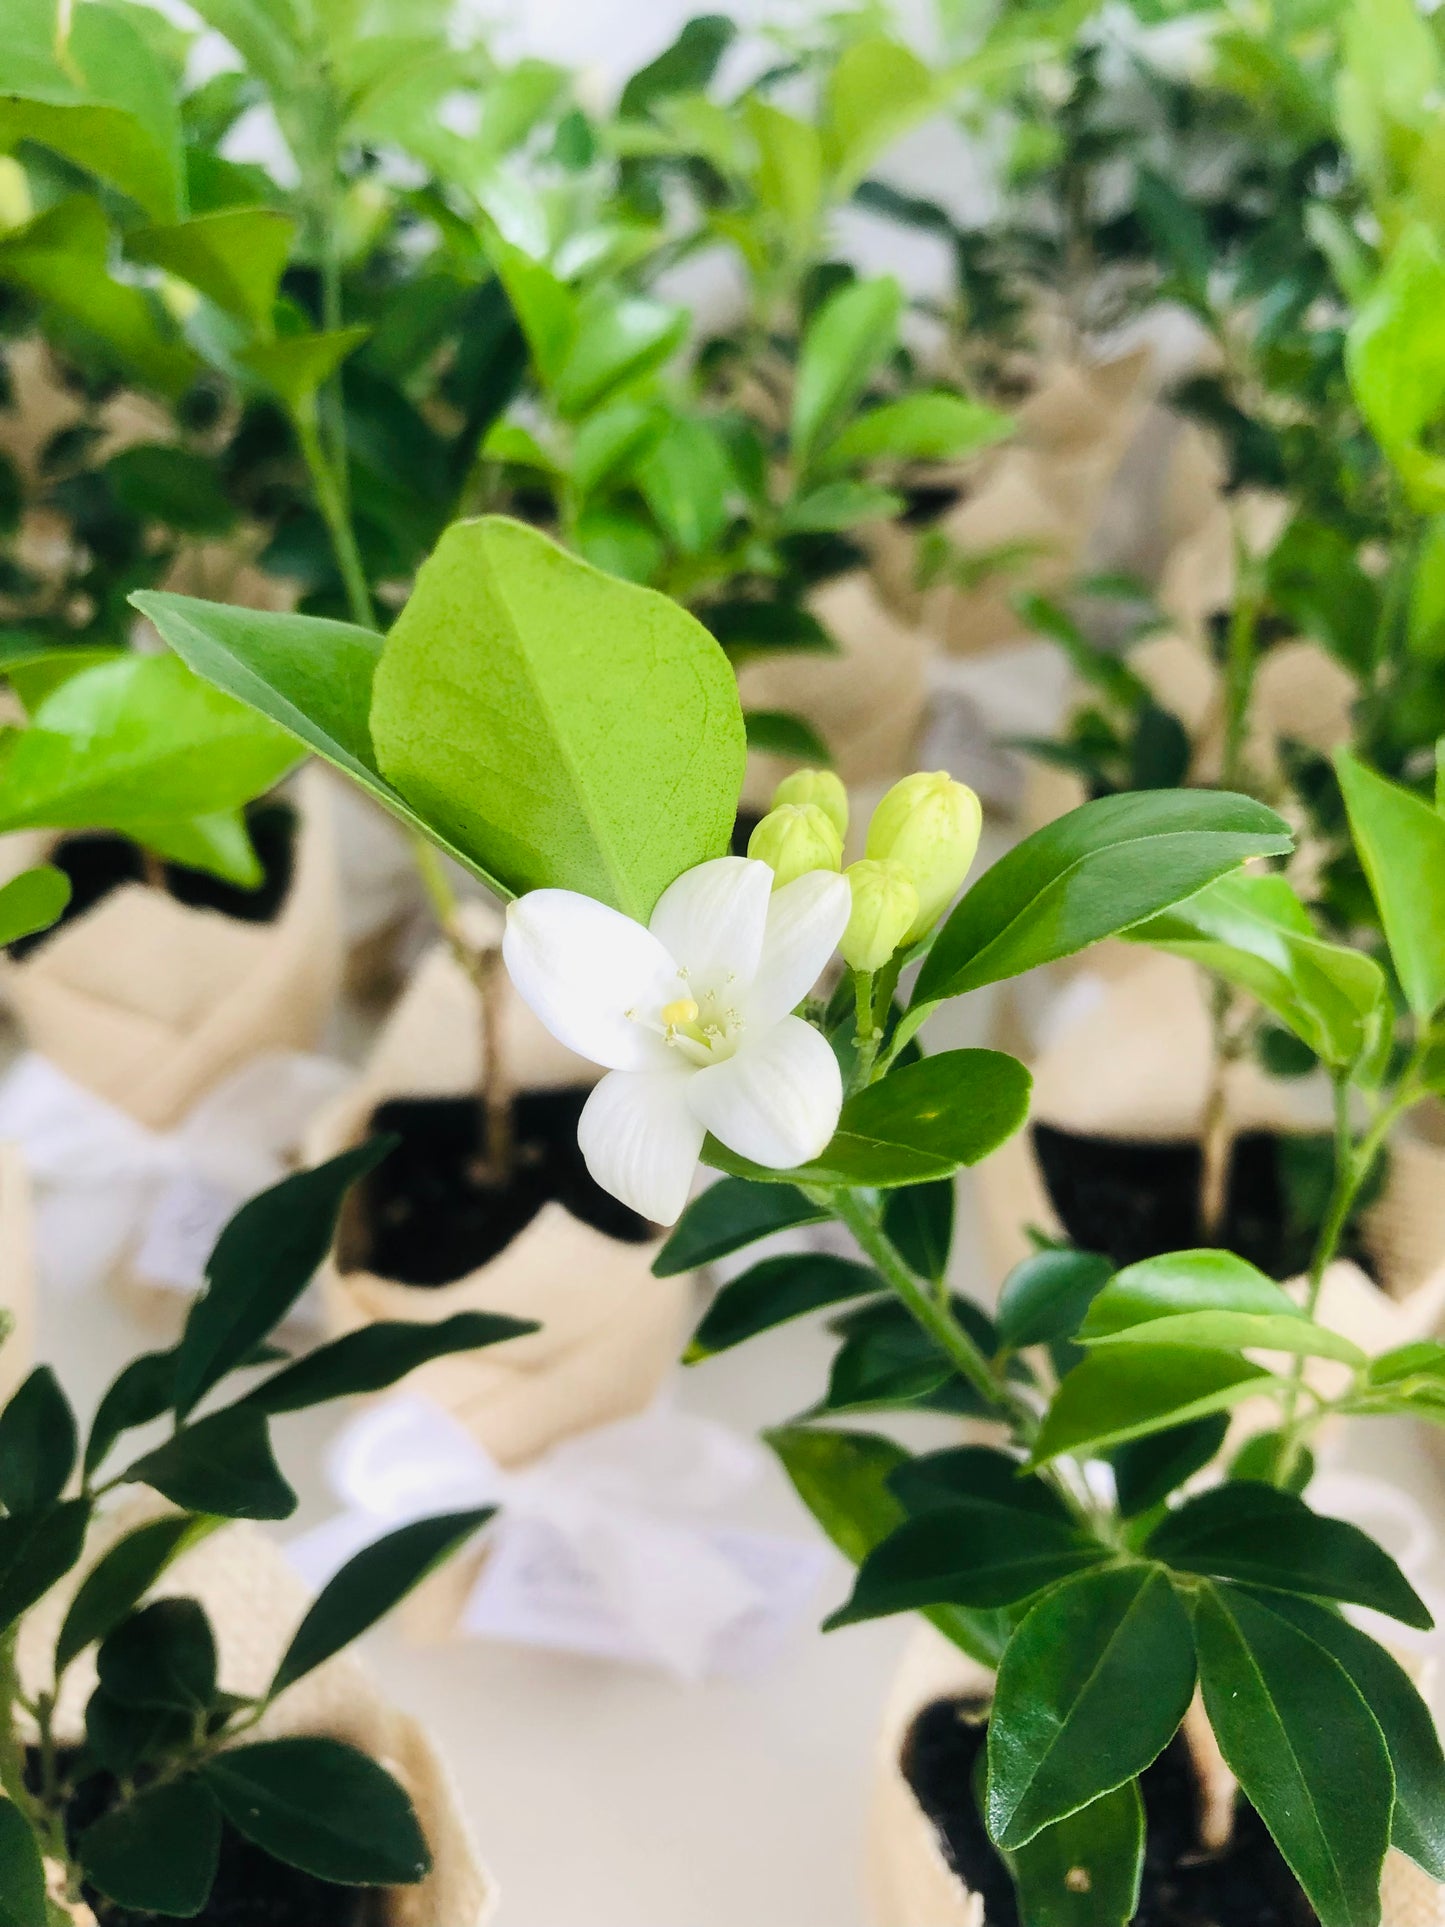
703	1028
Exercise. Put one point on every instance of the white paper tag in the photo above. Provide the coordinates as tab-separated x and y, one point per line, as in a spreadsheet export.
183	1226
533	1590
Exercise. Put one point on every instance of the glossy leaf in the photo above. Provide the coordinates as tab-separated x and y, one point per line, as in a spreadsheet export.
1263	1537
1136	1389
379	1356
615	341
163	1656
919	1220
261	1264
234	256
142	1391
1401	842
728	1215
22	1872
1184	1282
222	1464
322	1806
1147	1470
32	901
1090	1691
38	1444
686	480
972	1473
847	340
1236	1331
566	728
775	1291
120	1579
158	1852
1305	1749
37	1549
1103	1843
369	1585
1045	1296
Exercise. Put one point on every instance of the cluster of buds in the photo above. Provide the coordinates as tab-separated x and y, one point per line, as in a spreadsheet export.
921	840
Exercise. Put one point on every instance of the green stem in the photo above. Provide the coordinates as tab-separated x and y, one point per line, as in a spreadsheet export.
331	500
866	1036
1239	667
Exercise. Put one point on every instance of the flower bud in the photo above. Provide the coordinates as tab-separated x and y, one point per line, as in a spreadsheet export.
16	206
794	839
819	786
928	824
885	905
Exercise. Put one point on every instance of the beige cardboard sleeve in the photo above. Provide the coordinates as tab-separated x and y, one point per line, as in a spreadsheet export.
149	1003
255	1603
909	1880
610	1330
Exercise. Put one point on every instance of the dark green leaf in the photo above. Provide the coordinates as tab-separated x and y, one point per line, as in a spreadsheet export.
774	1291
324	1807
1090	1692
120	1737
776	732
1046	1296
919	1220
746	628
263	1261
142	1392
38	1443
369	1585
972	1472
157	1853
685	67
162	1657
1305	1749
1136	1389
37	1549
1264	1537
888	1362
119	1580
728	1215
378	1356
1084	1871
1147	1470
22	1872
221	1464
162	483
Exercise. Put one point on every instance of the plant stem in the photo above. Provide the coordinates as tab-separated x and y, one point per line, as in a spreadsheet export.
867	1035
331	499
1216	1126
1239	666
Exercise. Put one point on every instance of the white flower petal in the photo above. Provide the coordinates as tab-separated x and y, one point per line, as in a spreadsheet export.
641	1141
581	966
806	921
777	1100
712	921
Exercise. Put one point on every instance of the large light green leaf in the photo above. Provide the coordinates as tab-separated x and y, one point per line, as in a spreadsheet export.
1401	842
846	341
1095	872
1185	1281
1255	933
877	91
234	256
1305	1749
1091	1690
562	727
133	742
1131	1390
97	94
310	675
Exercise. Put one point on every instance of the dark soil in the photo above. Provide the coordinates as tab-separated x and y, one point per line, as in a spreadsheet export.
427	1215
1246	1884
1133	1200
97	863
251	1889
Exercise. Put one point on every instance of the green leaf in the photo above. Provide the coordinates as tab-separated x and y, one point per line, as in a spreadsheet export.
132	741
934	426
565	728
310	675
1046	1295
235	257
1401	842
836	506
369	1585
379	1356
119	1580
163	1657
615	435
919	1220
789	175
1237	1331
685	67
1090	1691
219	844
32	901
221	1464
1137	1389
162	483
1147	1470
22	1872
888	1363
977	1473
261	1264
1091	874
1185	1281
877	91
850	336
1305	1749
95	93
1103	1843
730	1214
967	1554
37	1444
37	1549
1395	354
120	1737
843	1478
1261	1457
1427	595
142	1392
775	732
545	308
1254	932
746	628
686	479
1263	1537
324	1807
157	1853
922	1122
296	367
775	1291
1417	1826
616	340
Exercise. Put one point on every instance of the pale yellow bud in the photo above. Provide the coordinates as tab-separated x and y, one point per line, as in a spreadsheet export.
885	905
929	825
819	786
15	204
794	839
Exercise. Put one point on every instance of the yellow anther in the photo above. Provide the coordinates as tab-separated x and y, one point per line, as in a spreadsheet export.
681	1011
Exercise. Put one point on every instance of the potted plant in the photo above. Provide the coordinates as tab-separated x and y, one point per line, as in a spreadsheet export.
181	1738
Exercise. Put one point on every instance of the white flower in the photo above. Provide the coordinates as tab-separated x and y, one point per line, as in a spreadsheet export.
692	1017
